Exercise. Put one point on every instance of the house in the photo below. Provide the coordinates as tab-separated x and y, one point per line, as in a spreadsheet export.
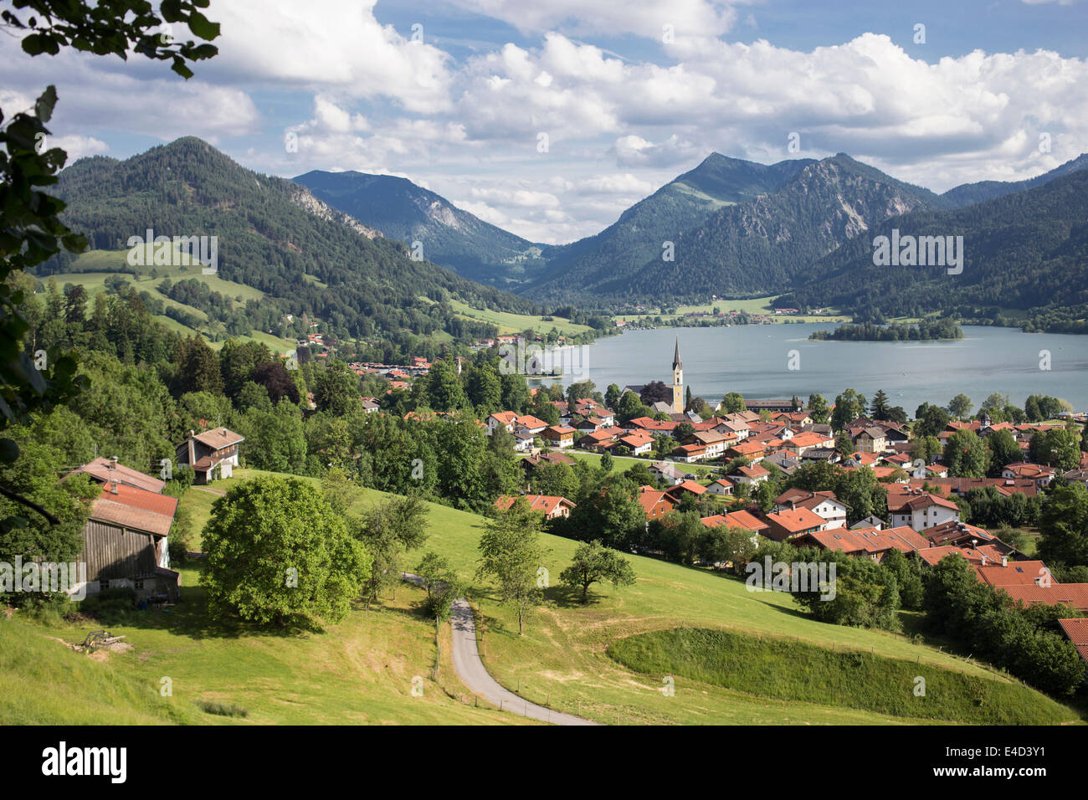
1005	574
917	508
687	487
870	439
125	538
823	504
714	442
753	451
597	441
869	542
752	474
501	419
807	440
793	523
690	453
107	470
722	487
655	503
558	436
737	519
523	440
551	506
638	443
212	454
1074	595
669	473
871	521
1042	475
533	424
370	405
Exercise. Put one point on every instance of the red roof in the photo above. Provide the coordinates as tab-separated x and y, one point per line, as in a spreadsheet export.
547	504
688	486
99	469
134	508
796	520
650	499
736	519
1077	631
1017	573
870	540
1074	595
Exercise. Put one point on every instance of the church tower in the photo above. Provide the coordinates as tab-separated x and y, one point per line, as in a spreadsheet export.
677	380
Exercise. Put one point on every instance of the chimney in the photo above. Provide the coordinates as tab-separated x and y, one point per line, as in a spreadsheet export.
191	448
984	561
1004	561
113	475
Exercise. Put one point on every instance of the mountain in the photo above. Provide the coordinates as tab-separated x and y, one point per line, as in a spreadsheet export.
760	245
275	236
1025	262
970	193
579	269
449	235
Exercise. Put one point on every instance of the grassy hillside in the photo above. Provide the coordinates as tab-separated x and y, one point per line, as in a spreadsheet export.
360	671
91	270
789	670
508	322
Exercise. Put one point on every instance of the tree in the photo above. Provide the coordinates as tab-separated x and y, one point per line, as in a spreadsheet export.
444	389
1004	449
843	446
607	462
196	367
733	403
721	544
817	409
960	406
930	420
927	448
580	390
594	563
485	389
1057	448
966	455
612	395
336	389
879	407
655	392
848	407
388	530
511	553
238	361
611	513
277	554
1064	526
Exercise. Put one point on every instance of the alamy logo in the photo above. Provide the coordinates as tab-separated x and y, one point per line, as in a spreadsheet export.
176	251
919	251
44	576
108	761
537	359
795	577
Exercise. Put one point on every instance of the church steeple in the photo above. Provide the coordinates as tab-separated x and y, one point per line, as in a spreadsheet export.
677	380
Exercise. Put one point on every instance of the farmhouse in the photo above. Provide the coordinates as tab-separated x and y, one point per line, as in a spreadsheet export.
655	503
559	436
125	536
917	508
550	506
793	523
212	454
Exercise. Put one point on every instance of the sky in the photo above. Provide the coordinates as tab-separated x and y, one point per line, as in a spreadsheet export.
550	117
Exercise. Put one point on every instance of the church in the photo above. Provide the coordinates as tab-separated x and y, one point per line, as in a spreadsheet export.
677	380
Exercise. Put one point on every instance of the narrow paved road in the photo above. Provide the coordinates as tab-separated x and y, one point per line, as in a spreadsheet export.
472	672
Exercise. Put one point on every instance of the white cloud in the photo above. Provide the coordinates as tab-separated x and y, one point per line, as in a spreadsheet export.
646	18
329	45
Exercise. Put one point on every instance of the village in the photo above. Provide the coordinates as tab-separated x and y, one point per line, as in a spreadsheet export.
719	462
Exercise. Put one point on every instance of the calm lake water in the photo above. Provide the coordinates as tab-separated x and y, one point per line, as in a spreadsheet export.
754	360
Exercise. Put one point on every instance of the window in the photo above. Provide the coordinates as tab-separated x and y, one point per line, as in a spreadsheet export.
139	584
103	585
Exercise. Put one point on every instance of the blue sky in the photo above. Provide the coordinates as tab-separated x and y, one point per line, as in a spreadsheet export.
550	118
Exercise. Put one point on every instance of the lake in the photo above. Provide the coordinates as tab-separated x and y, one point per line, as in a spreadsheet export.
755	359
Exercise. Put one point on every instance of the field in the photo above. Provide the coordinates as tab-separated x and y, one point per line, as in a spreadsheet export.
91	269
624	463
508	322
361	670
754	305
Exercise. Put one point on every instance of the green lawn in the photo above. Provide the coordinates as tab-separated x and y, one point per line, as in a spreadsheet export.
508	322
91	269
624	463
360	671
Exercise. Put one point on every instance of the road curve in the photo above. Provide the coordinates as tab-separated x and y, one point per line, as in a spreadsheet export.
472	672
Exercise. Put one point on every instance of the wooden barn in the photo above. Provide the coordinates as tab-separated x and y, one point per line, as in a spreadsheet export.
125	539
